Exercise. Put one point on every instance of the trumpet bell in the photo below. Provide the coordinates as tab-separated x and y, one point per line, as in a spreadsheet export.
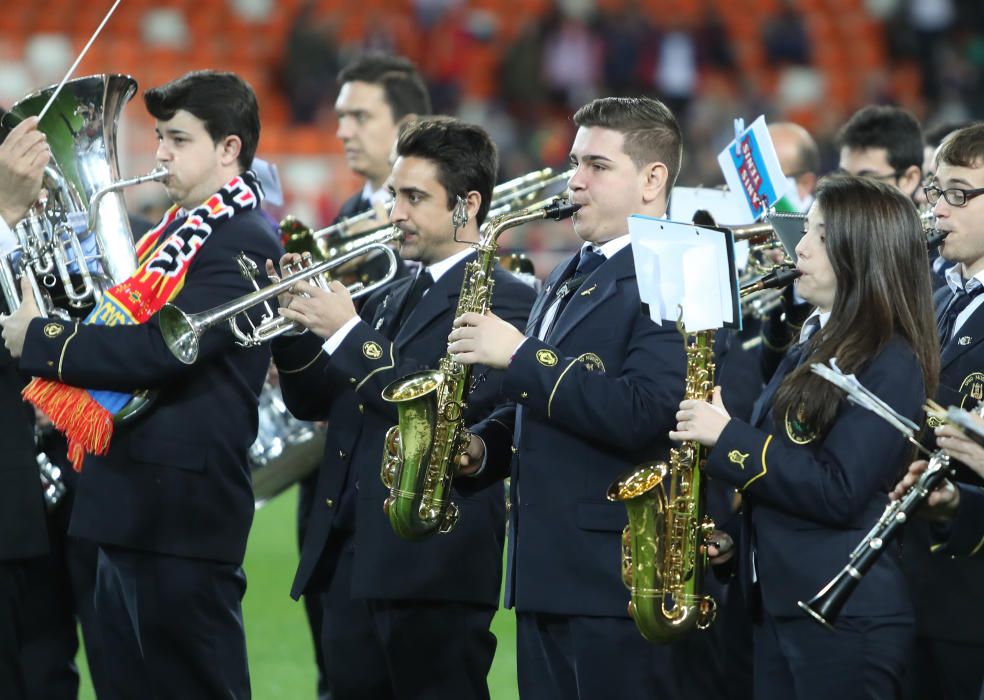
180	334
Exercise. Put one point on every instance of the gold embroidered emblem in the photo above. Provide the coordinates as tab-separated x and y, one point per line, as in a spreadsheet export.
588	291
972	386
547	358
53	330
591	362
372	350
934	422
738	458
964	340
796	429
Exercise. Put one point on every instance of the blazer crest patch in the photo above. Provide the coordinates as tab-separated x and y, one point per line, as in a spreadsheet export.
736	457
53	330
591	362
372	350
547	358
797	430
972	386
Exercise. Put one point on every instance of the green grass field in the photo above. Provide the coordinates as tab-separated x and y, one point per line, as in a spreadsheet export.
279	643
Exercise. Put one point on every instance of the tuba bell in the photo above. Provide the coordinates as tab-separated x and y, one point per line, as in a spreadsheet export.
75	242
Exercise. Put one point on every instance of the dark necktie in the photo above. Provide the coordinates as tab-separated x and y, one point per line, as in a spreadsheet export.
590	260
810	327
421	284
958	302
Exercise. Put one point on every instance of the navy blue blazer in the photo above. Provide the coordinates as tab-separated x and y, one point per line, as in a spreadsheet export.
939	584
175	480
964	535
807	502
593	400
346	389
23	532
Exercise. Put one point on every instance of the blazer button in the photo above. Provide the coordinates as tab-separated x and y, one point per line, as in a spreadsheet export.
341	454
362	408
330	503
525	395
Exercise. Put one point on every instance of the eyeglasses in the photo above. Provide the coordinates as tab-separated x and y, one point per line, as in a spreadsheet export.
954	196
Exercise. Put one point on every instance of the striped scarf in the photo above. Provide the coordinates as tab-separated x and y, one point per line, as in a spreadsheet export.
85	416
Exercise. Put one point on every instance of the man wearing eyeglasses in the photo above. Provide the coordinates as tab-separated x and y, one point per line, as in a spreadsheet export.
884	143
949	616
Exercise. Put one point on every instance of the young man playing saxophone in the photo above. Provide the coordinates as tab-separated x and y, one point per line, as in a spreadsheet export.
595	385
402	619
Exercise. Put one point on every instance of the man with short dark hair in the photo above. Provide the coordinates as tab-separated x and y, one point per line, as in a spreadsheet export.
377	94
884	143
949	620
596	384
401	618
167	496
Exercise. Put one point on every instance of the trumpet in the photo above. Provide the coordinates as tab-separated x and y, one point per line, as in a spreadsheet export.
182	332
338	239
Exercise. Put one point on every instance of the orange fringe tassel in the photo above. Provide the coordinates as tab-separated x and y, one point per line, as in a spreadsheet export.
87	425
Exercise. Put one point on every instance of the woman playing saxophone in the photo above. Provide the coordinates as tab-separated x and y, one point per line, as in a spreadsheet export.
813	469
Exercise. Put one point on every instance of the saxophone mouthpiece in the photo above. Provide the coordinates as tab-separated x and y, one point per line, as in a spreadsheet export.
778	278
560	209
936	237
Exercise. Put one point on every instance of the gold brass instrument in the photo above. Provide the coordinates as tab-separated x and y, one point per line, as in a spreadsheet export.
421	452
664	546
182	332
827	604
338	239
75	242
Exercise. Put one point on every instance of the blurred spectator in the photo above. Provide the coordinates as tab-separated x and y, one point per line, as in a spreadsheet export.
572	62
310	64
785	37
626	35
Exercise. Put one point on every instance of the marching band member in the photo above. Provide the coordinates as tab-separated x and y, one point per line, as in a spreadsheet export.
168	500
23	534
402	619
813	469
884	143
950	634
595	383
377	95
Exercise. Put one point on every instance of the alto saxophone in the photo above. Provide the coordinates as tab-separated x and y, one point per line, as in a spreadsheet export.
421	452
664	552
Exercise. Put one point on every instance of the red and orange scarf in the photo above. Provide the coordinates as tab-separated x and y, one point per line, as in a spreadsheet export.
85	416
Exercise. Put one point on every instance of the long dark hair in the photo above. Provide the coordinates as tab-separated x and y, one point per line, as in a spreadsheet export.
877	251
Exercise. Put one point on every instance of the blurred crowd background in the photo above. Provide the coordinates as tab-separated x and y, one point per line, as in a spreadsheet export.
519	67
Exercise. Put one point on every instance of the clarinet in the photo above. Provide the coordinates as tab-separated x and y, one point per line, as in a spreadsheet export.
826	605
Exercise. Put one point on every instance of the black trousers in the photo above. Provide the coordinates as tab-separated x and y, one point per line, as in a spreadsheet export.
945	670
173	626
589	658
378	649
862	659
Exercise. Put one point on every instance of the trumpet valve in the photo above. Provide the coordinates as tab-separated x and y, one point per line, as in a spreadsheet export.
247	268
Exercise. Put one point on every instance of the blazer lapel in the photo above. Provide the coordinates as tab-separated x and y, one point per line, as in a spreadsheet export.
388	311
546	295
435	302
599	286
967	337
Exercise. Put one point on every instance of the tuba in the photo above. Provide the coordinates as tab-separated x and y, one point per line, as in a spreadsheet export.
421	452
76	242
664	545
